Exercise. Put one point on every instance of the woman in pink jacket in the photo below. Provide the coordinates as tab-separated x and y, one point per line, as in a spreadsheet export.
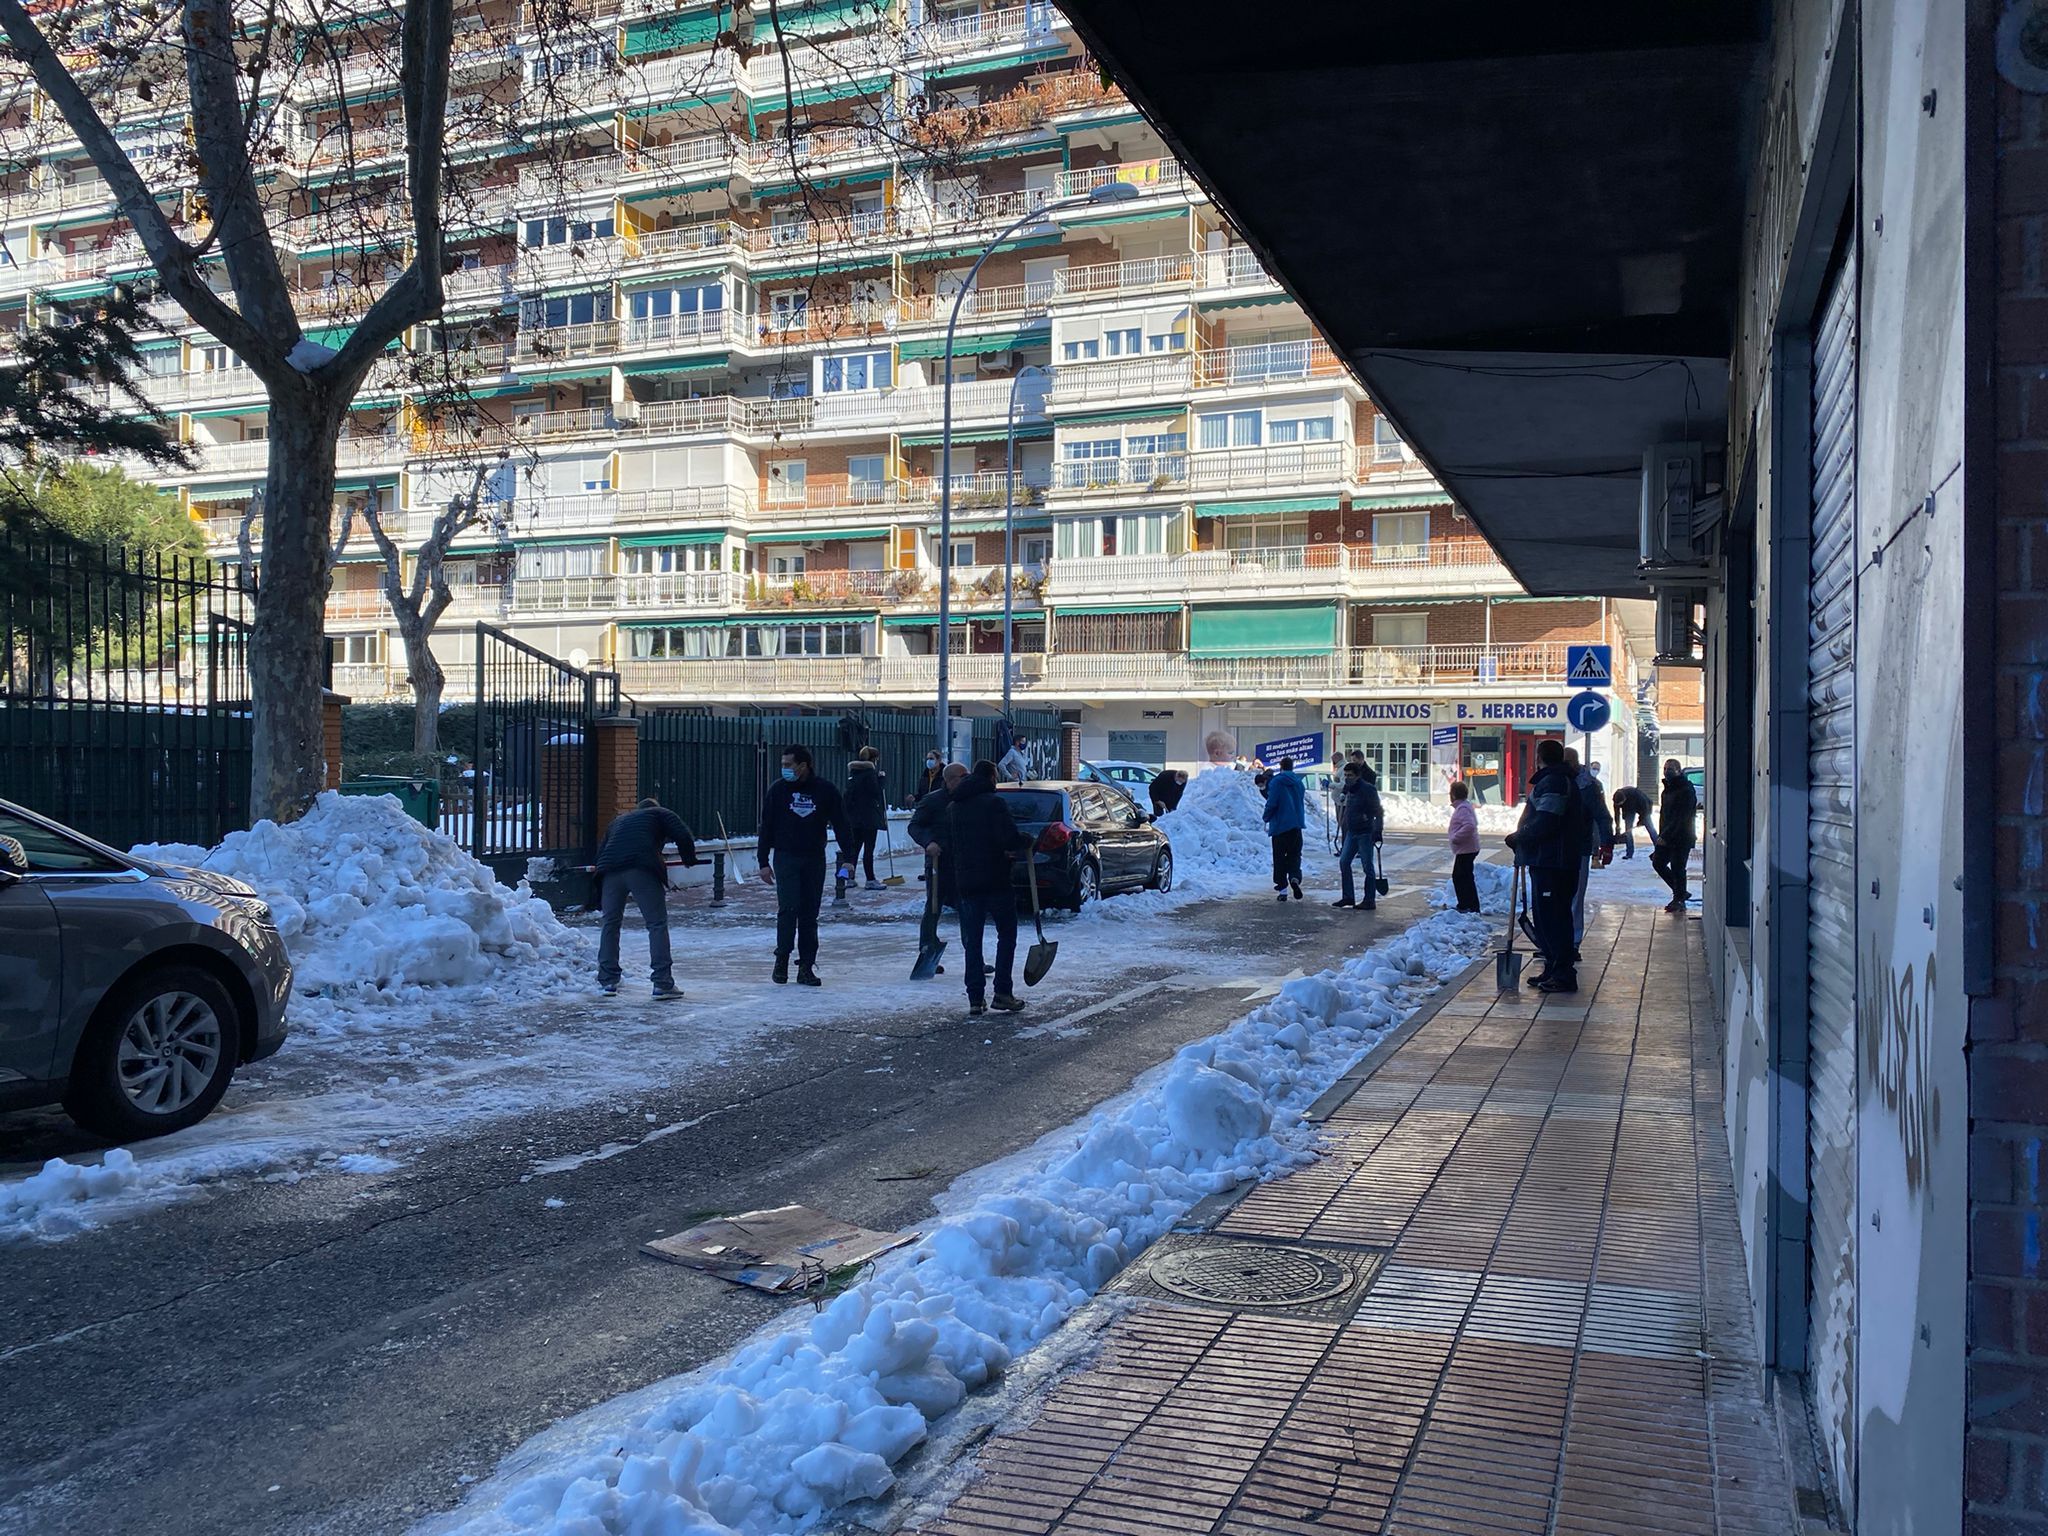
1464	836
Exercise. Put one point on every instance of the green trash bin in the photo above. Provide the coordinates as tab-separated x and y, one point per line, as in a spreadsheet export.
420	798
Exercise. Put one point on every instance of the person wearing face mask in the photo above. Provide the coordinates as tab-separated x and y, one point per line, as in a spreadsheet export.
799	811
932	778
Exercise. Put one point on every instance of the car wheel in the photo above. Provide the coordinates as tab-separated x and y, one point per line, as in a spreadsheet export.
1162	872
1087	886
157	1057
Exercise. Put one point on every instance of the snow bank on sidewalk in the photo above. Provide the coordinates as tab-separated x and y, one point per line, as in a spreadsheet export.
1494	881
381	914
816	1409
1419	813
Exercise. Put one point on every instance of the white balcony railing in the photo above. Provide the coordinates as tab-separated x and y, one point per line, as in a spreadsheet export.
1109	278
1148	176
1234	267
923	405
1378	570
1309	465
977	31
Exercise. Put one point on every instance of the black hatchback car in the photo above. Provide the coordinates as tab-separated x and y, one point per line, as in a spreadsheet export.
1089	841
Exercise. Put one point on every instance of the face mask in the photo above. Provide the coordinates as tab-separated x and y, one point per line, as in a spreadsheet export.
790	774
931	762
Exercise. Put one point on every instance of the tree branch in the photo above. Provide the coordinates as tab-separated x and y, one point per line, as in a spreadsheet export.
220	133
174	260
426	37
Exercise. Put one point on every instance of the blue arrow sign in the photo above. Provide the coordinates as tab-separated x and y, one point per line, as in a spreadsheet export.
1588	711
1589	666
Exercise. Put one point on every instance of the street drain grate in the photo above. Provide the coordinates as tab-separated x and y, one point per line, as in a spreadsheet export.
1234	1275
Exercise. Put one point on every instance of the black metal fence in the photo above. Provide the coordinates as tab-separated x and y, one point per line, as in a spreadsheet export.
124	691
713	770
533	790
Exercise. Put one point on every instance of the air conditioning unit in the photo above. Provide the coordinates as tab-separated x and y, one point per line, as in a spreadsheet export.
1675	627
1677	512
1031	665
626	411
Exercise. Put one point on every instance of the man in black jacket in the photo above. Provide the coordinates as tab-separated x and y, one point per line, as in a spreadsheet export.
796	815
1362	820
867	812
630	864
1166	789
923	832
1632	810
1549	843
976	841
1675	812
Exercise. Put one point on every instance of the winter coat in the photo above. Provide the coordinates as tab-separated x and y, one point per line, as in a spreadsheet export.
1631	801
1361	812
1285	807
1166	792
795	817
1599	822
928	779
867	797
1464	829
635	839
977	837
1675	813
1552	832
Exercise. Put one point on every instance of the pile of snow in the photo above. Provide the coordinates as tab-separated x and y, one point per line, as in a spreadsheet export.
1218	832
59	1200
814	1411
1419	813
379	913
1494	881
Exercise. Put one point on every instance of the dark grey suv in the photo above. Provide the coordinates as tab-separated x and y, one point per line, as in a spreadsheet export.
129	991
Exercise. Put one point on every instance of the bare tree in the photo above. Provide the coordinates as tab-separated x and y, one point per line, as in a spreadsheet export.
418	606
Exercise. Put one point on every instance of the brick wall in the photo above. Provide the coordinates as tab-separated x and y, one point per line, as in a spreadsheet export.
2006	1459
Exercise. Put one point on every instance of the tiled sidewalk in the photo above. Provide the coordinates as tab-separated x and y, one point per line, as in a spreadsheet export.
1556	1339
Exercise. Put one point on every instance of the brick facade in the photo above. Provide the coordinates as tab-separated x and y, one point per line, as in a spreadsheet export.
2006	1458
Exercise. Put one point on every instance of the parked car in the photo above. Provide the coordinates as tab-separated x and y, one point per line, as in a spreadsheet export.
1134	779
1090	841
129	991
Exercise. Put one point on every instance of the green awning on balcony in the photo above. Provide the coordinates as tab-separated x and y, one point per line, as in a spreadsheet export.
822	184
231	410
822	536
976	247
1076	610
931	620
541	374
1263	629
1010	59
1266	508
369	480
678	624
1037	430
682	365
1367	502
690	29
978	346
336	336
806	18
656	540
1082	218
1248	301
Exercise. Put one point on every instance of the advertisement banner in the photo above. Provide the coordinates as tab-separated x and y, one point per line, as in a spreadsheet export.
1307	751
1443	756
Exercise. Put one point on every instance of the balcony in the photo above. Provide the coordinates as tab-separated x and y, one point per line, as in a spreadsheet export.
709	154
229	458
833	589
1007	301
783	156
1267	362
1165	376
1111	279
675	590
1452	567
1234	268
805	65
669	247
1166	674
983	31
167	389
599	512
1297	466
724	414
490	286
982	402
1163	176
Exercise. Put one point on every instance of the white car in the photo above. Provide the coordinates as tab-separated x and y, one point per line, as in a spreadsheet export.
1134	779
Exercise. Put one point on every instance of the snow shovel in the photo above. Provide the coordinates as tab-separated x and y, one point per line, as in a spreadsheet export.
1507	965
930	947
1044	952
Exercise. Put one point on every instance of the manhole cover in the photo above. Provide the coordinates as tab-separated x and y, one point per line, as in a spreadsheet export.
1252	1274
1249	1275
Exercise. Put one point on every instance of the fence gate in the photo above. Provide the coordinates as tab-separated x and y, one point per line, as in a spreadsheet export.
534	785
124	693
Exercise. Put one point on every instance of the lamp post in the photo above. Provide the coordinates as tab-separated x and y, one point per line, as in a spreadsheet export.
1010	528
1107	192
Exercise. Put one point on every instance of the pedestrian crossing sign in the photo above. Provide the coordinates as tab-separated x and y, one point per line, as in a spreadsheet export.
1589	666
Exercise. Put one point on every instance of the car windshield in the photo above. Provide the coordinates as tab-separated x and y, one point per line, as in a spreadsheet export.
1034	807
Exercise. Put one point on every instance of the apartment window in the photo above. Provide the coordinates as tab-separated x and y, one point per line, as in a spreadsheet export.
162	363
569	309
1400	629
1399	537
566	231
1081	351
211	359
1311	429
568	61
1118	634
1078	540
1034	551
562	560
866	477
359	650
1247	533
681	311
788	480
1145	535
788	226
1166	341
1229	429
960	552
789	309
786	567
1092	461
667	559
853	373
1123	343
1386	442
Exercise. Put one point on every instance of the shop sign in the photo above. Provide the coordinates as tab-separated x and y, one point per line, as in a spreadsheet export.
1530	712
1379	712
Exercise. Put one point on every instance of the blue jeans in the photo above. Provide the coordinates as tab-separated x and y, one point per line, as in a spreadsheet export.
649	893
1357	846
976	912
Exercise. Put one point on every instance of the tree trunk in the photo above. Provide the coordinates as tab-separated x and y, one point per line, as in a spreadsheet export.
287	656
423	669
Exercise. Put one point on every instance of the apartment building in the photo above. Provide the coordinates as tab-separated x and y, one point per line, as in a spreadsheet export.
711	347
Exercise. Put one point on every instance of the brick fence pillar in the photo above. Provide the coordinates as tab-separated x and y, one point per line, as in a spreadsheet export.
330	734
618	769
1070	750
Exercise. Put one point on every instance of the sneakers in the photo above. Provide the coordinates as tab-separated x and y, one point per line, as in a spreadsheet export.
1280	895
976	1008
806	977
669	990
781	969
1295	886
1367	906
1004	1003
608	988
874	885
1558	984
1536	979
1674	905
1344	901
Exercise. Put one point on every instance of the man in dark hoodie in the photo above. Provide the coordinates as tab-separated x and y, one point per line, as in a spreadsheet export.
1166	789
923	832
798	812
1677	807
867	812
976	841
629	863
1549	843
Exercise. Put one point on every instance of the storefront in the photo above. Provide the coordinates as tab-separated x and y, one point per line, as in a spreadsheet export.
1418	748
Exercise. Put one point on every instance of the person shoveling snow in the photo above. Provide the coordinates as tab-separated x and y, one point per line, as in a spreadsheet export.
380	913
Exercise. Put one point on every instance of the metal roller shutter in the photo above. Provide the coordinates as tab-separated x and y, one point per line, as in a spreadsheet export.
1831	887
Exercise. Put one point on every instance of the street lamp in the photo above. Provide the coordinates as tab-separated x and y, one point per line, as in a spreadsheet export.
1107	192
1010	527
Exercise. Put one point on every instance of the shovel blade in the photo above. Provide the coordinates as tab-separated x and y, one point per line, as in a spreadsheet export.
1507	970
928	956
1038	960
